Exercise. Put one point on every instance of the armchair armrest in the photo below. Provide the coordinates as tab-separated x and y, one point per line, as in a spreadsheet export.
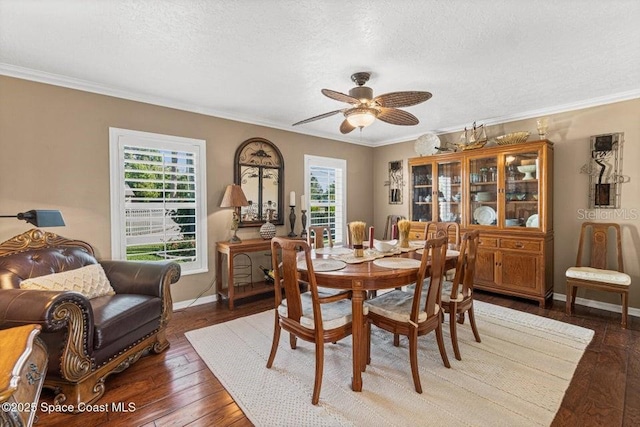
143	278
21	307
54	311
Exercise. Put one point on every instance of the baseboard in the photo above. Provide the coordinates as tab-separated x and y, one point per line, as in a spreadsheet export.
597	304
193	302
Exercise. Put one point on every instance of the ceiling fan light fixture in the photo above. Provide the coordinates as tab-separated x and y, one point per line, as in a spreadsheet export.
361	117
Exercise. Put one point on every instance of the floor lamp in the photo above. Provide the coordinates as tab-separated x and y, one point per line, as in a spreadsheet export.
40	218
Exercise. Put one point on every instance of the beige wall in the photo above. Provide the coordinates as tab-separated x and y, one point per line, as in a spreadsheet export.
570	132
55	155
54	144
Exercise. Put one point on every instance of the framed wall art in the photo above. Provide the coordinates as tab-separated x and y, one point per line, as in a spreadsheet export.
605	171
396	182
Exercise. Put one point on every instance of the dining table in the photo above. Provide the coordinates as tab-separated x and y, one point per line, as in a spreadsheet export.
361	277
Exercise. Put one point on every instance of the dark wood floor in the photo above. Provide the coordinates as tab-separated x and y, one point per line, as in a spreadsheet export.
176	388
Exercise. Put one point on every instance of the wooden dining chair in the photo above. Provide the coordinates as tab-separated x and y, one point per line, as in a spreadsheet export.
315	237
450	230
457	295
305	315
597	273
391	221
444	229
411	314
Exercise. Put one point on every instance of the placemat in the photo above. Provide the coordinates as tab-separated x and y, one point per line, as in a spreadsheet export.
397	262
336	250
321	264
450	252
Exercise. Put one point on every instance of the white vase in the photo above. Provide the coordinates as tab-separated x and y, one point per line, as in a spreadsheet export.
268	231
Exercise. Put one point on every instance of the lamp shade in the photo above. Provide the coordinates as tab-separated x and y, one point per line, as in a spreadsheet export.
361	117
233	197
40	218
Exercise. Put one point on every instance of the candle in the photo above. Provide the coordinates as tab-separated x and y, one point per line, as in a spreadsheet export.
292	198
370	237
303	204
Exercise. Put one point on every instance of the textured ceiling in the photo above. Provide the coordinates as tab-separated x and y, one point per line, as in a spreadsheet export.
265	62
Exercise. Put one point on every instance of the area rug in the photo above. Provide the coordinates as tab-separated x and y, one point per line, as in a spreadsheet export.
516	376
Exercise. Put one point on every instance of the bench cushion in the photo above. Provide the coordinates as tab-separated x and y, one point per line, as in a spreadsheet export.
599	275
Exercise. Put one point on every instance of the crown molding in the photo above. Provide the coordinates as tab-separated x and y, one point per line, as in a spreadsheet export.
578	105
86	86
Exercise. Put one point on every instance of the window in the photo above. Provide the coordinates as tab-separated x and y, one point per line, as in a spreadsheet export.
158	198
325	183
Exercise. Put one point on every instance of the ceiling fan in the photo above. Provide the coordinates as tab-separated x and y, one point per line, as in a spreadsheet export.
365	108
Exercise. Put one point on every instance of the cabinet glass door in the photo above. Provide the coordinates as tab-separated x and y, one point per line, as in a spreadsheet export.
421	201
483	191
521	190
449	191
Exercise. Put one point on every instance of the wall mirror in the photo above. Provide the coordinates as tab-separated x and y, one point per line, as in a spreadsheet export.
259	170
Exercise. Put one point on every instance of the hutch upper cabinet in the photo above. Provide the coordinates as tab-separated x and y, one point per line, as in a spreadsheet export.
506	193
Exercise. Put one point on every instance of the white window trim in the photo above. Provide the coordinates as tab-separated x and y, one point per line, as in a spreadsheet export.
328	162
117	139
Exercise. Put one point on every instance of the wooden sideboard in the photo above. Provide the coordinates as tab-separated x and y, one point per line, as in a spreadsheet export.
23	365
229	250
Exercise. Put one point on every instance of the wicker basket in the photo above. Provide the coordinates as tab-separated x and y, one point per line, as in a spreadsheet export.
513	138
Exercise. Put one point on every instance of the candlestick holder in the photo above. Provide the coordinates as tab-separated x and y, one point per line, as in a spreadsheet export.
303	233
292	221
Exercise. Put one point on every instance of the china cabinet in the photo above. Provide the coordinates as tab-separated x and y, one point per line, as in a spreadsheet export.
506	193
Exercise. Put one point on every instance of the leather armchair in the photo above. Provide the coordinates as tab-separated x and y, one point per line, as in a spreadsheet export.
87	339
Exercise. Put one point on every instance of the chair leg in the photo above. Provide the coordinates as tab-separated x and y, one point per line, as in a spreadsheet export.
366	347
625	309
443	352
461	318
570	297
413	358
319	368
293	341
368	332
274	344
454	332
396	340
472	322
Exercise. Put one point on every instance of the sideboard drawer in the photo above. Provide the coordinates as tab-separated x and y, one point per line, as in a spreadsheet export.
524	245
488	242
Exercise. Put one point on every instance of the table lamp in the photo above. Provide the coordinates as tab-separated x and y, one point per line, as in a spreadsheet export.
40	218
234	198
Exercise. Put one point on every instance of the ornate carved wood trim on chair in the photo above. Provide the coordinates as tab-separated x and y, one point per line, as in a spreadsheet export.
596	273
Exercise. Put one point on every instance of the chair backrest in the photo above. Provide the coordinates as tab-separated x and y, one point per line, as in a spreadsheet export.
391	221
37	253
466	265
284	261
435	255
315	237
443	229
594	236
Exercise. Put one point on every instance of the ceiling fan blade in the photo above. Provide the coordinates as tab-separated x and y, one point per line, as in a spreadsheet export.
402	99
314	118
339	96
397	117
346	127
